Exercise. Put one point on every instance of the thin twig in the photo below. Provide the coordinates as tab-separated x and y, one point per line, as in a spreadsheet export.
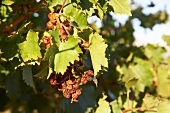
22	17
140	109
62	6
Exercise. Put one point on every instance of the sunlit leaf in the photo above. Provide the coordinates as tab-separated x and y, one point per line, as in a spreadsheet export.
76	15
115	107
30	49
121	6
97	51
131	82
104	106
8	2
166	38
68	53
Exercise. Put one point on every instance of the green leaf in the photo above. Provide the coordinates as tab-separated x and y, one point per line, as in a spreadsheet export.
55	34
129	104
163	80
158	105
97	51
115	107
27	75
87	7
104	106
121	6
154	53
166	38
164	107
150	101
8	2
142	71
131	82
30	49
76	15
52	3
84	34
50	52
68	53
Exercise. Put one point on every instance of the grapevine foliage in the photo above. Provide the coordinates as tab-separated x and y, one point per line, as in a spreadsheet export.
53	60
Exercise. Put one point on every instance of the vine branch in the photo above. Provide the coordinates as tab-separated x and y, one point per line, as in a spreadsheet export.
62	6
140	109
36	8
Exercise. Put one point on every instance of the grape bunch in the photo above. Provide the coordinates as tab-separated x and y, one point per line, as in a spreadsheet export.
63	27
68	84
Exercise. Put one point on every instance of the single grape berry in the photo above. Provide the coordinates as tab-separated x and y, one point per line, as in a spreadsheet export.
78	80
50	15
66	23
46	40
69	28
76	86
86	45
90	73
78	92
69	82
69	87
49	25
63	37
62	31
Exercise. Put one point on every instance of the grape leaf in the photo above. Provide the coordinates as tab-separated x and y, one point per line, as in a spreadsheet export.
164	107
97	51
150	101
50	52
142	71
129	104
166	38
52	3
144	74
115	107
27	75
76	15
163	78
154	53
104	106
131	82
158	105
121	6
68	52
8	2
30	49
87	7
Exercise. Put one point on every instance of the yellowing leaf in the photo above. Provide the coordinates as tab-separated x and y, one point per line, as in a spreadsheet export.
163	77
97	51
121	6
166	38
104	106
30	49
8	2
115	107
